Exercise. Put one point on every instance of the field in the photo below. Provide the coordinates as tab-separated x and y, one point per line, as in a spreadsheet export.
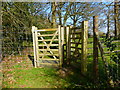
18	72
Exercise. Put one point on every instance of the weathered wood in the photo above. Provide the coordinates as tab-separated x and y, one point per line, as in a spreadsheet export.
34	48
48	44
44	59
52	29
68	43
48	50
46	35
84	47
95	49
49	54
48	40
60	45
36	43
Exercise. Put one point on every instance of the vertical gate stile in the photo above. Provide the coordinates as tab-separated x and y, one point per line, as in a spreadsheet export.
59	35
34	45
68	45
62	46
84	47
71	35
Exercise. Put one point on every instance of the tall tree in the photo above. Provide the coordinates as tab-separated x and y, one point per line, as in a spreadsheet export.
53	7
116	17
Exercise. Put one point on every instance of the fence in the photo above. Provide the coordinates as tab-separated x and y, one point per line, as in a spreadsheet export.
52	42
97	46
73	45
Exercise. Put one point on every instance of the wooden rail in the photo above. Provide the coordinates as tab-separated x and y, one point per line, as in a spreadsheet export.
42	48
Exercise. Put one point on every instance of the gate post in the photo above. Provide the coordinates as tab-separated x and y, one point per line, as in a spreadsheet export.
68	45
84	47
95	48
34	46
60	45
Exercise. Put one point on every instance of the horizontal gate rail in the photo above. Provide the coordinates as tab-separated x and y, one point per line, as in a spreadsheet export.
46	35
48	45
54	29
48	40
49	54
43	59
48	49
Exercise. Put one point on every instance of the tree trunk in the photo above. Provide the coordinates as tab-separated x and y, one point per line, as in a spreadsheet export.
116	16
53	7
0	31
108	27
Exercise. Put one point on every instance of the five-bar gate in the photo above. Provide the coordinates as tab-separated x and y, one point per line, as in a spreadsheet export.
49	45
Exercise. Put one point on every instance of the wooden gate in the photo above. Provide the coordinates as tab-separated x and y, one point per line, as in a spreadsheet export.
47	44
76	43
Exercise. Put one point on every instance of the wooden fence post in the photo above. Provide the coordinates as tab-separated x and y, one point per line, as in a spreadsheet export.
60	45
68	45
36	44
34	48
84	47
95	49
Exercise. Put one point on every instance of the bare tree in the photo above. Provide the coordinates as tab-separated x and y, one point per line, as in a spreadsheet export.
116	16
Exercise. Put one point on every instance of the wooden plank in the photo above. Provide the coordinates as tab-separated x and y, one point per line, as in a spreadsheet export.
52	29
46	35
48	45
84	47
49	54
34	48
48	40
62	44
95	49
48	49
36	45
68	45
50	59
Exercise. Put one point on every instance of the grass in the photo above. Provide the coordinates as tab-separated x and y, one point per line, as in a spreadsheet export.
21	76
19	73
